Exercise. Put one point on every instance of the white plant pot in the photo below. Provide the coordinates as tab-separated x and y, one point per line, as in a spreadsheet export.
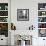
22	43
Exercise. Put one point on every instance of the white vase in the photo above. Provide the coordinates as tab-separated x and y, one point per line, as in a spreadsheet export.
22	43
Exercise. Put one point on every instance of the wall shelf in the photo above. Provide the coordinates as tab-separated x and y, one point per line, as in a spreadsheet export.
3	22
41	22
3	16
41	10
41	28
42	16
3	10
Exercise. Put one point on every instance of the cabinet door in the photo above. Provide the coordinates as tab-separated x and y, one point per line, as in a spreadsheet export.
41	41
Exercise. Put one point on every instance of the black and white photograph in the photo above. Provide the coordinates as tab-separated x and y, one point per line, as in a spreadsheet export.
22	14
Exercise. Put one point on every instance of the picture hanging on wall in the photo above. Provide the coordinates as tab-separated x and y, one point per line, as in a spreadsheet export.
22	14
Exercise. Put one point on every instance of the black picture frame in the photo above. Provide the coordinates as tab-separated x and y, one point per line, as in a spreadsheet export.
22	14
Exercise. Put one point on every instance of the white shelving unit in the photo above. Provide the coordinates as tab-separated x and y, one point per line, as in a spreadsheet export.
4	21
42	18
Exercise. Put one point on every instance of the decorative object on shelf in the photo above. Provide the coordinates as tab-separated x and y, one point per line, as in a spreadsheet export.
43	13
40	25
42	32
31	27
6	7
3	19
41	19
0	7
22	14
4	29
41	6
13	27
3	13
3	6
4	26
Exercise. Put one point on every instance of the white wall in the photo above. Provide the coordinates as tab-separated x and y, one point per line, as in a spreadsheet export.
32	5
24	4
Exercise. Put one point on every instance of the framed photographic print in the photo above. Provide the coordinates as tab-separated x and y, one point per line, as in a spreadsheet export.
22	14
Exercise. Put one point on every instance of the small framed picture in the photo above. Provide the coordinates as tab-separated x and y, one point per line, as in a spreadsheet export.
22	14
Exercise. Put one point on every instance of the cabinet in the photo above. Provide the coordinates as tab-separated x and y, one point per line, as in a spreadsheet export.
3	40
42	19
4	19
42	41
